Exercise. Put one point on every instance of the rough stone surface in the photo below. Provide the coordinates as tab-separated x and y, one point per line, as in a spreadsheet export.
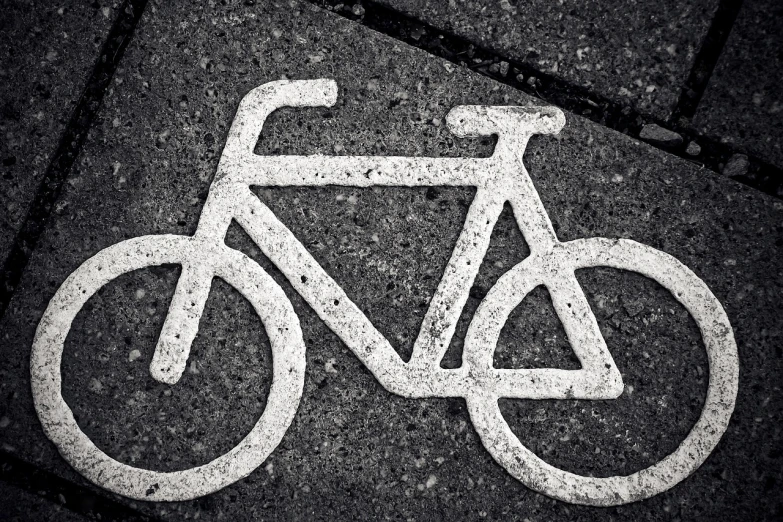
657	135
743	103
17	505
47	52
354	450
640	55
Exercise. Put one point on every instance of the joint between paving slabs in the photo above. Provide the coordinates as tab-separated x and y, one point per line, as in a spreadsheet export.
706	60
68	149
713	155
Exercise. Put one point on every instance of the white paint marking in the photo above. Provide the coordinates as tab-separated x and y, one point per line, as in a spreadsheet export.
499	178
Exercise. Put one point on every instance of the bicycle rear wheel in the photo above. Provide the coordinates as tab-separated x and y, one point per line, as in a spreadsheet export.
721	349
269	302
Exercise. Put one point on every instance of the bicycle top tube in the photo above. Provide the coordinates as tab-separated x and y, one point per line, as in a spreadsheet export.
359	171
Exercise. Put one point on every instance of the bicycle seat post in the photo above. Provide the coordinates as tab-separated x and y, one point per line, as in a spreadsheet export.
513	125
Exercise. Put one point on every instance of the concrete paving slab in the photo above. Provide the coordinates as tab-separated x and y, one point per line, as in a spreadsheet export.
638	54
743	103
354	450
48	51
17	505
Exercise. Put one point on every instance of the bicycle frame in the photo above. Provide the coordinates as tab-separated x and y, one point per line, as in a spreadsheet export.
497	179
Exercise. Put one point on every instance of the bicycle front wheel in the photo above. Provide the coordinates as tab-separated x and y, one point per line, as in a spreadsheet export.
288	356
718	338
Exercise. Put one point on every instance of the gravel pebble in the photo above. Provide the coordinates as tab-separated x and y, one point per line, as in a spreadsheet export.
659	136
736	166
694	149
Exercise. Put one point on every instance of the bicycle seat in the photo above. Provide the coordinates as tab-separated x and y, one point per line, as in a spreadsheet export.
484	120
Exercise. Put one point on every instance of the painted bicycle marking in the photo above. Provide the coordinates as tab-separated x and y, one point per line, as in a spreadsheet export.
498	179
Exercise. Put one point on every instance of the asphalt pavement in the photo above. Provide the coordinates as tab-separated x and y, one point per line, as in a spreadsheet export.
153	108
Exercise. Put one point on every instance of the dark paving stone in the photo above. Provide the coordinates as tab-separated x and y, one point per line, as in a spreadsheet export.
354	450
17	505
48	51
639	54
743	103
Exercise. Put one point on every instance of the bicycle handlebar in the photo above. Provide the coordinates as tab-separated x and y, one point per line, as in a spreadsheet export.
260	102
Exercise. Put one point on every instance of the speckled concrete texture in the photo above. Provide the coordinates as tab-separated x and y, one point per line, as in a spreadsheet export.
354	450
17	505
743	103
47	53
638	54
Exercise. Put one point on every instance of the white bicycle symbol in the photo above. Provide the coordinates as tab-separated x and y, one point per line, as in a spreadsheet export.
499	178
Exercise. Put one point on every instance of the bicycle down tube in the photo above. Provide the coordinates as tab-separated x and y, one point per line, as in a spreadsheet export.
497	179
